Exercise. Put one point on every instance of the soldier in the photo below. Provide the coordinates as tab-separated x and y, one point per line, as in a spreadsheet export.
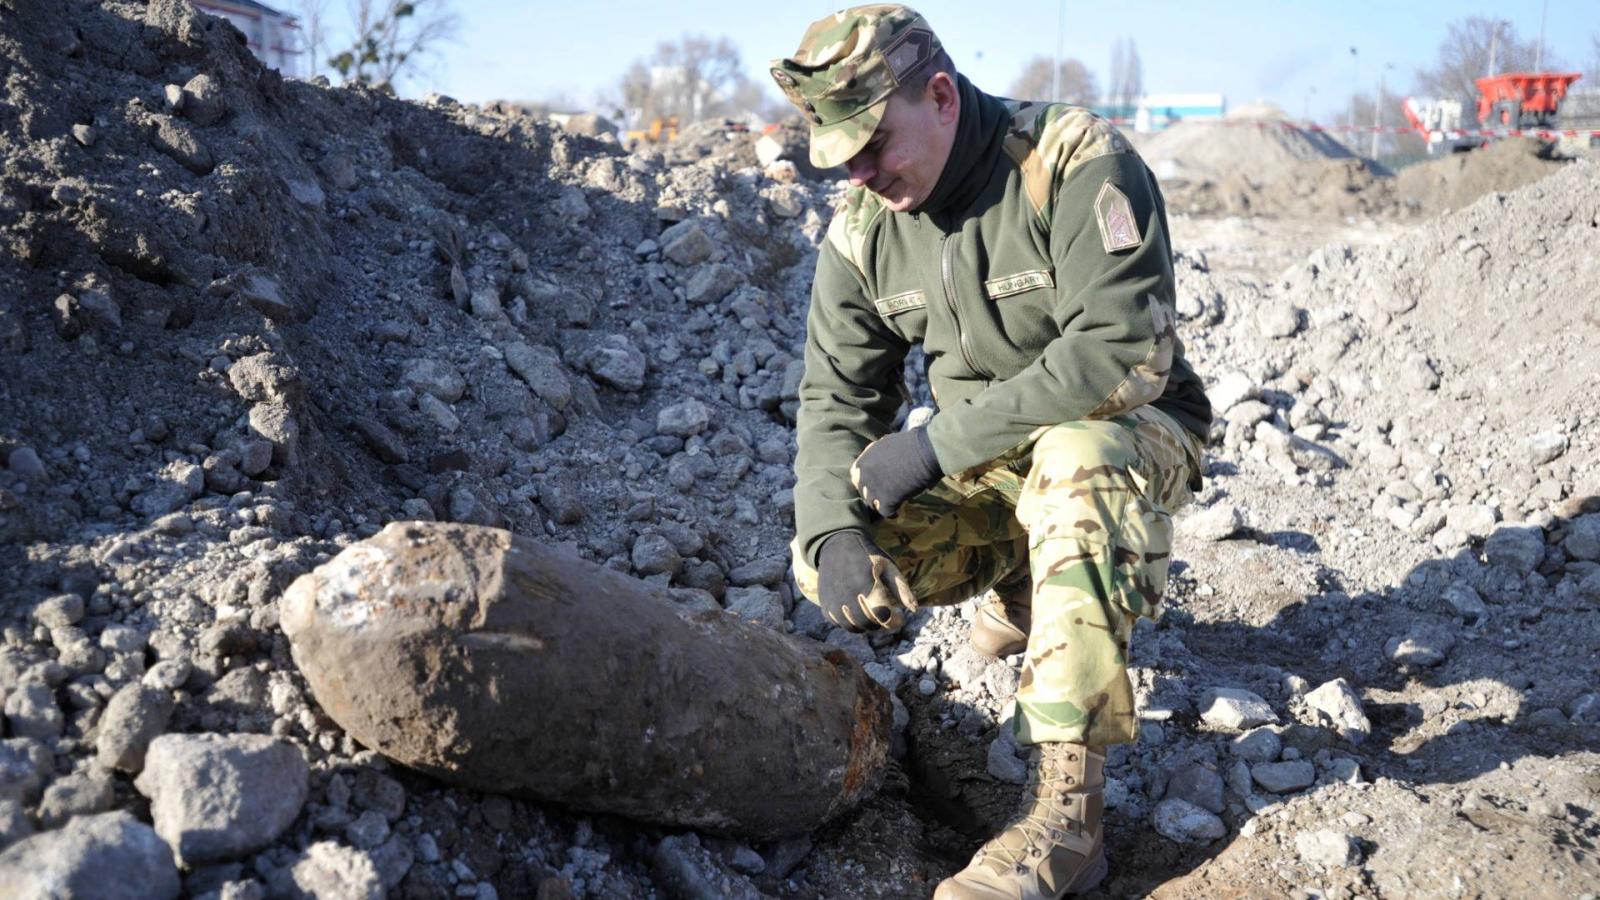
1024	246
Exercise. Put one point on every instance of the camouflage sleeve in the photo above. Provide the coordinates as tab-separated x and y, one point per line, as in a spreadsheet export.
848	399
1114	306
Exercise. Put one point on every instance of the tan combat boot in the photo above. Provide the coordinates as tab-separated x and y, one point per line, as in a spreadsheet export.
1053	846
1000	626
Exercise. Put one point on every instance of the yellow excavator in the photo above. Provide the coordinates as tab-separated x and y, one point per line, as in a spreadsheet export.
662	128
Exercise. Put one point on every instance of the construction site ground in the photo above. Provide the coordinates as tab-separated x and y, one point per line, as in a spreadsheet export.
249	321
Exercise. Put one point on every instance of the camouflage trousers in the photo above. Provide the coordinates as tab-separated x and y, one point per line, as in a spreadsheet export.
1086	508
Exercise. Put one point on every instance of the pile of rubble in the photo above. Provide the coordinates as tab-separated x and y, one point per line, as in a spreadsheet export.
261	319
1257	163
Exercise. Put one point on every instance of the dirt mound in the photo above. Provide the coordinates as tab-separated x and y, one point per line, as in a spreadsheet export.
1263	148
1313	188
1456	180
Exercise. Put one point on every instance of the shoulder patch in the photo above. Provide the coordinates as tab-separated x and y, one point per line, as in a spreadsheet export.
1119	230
1049	141
851	222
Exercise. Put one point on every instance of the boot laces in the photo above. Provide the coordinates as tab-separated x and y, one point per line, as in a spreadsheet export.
1044	816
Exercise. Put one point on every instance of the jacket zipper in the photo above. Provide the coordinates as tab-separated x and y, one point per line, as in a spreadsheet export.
948	276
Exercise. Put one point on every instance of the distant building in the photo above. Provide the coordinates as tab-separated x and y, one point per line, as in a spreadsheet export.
273	36
1157	111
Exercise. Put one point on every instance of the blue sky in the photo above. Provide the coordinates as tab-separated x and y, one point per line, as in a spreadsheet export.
1247	49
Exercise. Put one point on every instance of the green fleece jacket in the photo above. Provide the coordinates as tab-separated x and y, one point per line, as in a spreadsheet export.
1038	279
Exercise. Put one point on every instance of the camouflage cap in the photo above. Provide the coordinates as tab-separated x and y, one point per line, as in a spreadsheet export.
847	66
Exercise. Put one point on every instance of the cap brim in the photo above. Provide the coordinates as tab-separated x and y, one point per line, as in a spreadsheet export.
833	145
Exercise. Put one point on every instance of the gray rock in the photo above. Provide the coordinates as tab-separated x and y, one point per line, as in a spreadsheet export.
25	763
1422	647
329	871
1278	320
485	304
710	283
275	423
31	711
859	648
1465	600
203	102
1238	778
110	855
1183	822
746	860
367	830
768	570
1546	717
1589	588
217	797
618	363
1583	538
436	377
1327	849
1474	519
1546	446
384	443
24	461
783	856
393	860
261	292
1284	777
966	666
653	554
14	823
377	791
1345	769
686	244
1199	785
1584	709
1257	745
78	794
687	869
1003	763
169	674
1338	706
1214	523
541	368
758	603
60	610
1520	549
684	419
1235	708
1230	390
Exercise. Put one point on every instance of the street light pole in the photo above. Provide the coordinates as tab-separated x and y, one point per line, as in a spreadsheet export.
1055	70
1538	55
1355	83
1377	109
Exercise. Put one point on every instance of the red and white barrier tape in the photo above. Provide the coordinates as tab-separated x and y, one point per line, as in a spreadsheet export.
1396	129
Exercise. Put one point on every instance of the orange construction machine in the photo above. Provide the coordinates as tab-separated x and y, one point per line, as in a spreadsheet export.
1522	99
1507	103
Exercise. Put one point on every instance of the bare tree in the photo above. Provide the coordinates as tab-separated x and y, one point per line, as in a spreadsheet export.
1133	85
393	37
1473	48
1127	74
314	27
694	77
1077	83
